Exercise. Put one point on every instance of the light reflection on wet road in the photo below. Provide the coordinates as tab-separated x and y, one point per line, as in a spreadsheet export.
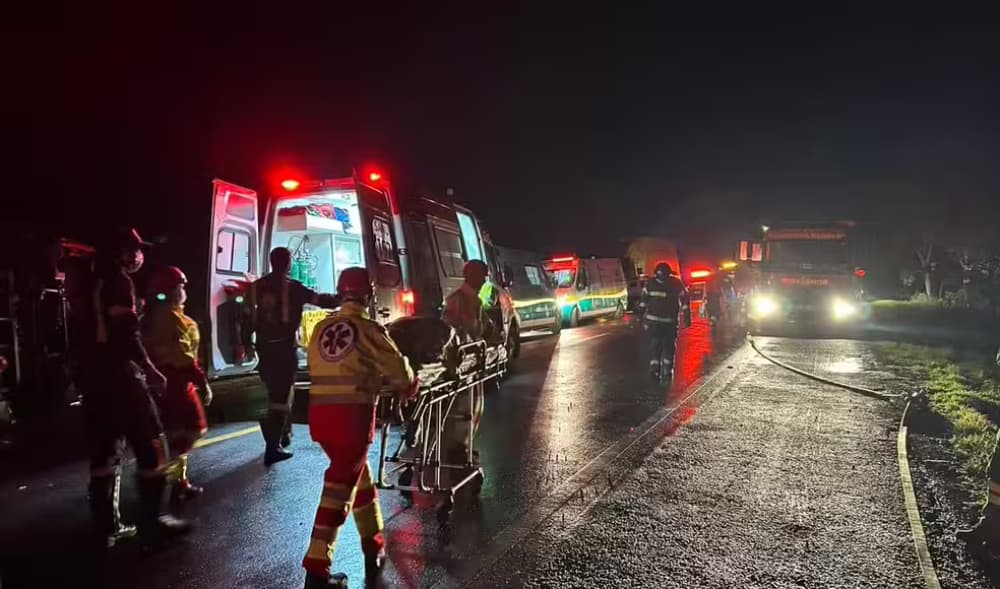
568	399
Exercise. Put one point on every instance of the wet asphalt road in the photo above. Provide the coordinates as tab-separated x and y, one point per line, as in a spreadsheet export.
758	475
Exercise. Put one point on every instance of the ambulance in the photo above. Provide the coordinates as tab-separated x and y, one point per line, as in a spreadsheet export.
588	287
414	247
328	225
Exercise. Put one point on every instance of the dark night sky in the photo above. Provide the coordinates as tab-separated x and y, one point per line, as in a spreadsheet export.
561	132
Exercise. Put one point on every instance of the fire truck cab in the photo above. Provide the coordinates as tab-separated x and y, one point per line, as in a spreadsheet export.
806	276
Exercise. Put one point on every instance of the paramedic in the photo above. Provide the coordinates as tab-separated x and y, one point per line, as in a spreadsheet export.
350	359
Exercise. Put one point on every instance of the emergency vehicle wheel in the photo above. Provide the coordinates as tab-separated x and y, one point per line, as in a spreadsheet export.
574	317
619	311
513	341
557	325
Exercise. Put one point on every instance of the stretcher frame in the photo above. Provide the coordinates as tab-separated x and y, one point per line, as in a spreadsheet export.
434	403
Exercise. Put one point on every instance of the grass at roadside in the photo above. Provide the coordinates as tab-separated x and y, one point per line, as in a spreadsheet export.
963	389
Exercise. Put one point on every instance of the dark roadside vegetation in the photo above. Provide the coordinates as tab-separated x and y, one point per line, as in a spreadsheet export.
953	421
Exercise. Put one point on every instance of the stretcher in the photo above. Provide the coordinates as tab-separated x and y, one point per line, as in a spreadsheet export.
449	394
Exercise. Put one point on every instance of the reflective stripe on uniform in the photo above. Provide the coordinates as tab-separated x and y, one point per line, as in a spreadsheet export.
657	293
280	407
659	319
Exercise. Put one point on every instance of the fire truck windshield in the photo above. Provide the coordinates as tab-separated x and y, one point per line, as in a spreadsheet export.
808	253
564	277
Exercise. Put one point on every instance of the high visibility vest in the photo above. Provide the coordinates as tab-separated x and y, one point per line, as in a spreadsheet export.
351	358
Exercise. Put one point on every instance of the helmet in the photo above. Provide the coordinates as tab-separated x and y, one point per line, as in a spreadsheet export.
123	239
166	280
354	283
662	271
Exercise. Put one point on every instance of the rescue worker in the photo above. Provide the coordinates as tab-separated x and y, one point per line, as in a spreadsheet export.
276	303
984	537
465	311
350	359
117	377
172	339
662	300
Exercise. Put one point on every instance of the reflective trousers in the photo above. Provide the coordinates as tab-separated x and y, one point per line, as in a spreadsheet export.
662	342
344	432
347	487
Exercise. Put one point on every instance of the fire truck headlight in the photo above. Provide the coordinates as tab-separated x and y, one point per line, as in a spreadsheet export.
844	309
763	306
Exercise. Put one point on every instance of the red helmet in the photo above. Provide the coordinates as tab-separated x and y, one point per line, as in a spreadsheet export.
166	280
354	282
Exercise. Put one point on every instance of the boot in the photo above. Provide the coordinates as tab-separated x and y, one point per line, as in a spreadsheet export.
104	494
272	428
286	435
182	490
334	581
157	526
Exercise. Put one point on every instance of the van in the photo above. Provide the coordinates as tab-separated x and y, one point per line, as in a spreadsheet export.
531	290
329	225
436	238
588	287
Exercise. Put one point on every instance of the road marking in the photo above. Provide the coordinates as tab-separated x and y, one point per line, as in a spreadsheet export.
231	435
913	511
560	496
580	341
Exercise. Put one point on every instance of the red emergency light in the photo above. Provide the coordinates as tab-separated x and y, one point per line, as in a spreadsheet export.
290	184
408	301
700	274
563	259
860	272
374	175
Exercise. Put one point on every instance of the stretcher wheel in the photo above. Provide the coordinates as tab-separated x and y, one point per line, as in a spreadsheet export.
444	511
477	483
405	480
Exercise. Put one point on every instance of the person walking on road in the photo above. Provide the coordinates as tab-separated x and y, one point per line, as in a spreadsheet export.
351	358
172	340
117	379
984	536
662	300
276	303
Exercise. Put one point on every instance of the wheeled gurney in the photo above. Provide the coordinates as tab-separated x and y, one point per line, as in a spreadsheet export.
420	462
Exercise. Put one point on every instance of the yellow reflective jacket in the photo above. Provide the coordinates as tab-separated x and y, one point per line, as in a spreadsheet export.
351	357
170	336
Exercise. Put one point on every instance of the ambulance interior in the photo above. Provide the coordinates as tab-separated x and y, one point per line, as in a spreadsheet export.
323	232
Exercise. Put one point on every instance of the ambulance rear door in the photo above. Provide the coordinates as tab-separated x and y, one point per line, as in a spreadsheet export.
382	256
233	262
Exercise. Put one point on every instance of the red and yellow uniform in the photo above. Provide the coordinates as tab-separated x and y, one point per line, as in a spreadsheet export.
172	340
350	359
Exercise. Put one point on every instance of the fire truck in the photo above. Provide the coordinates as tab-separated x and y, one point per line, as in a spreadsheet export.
806	274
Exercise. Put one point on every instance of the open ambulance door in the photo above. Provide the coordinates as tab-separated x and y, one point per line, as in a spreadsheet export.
233	262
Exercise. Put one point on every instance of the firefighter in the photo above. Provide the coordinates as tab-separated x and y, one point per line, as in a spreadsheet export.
662	300
984	536
117	377
172	340
276	303
350	359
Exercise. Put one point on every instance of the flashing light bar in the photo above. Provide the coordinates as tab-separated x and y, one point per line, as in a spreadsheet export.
728	265
563	259
290	184
374	175
701	273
